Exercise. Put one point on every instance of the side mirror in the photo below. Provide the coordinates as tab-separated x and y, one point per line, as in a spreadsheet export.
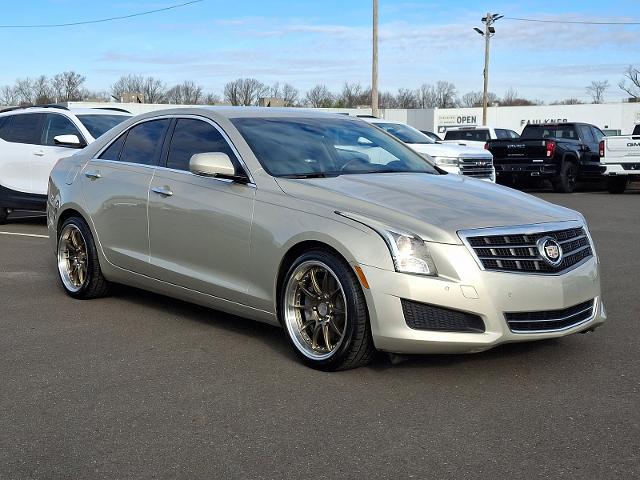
214	164
71	141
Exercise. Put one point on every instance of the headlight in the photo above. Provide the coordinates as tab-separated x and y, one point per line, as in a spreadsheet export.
447	161
409	252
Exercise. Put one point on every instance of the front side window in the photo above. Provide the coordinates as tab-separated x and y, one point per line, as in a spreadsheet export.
303	147
195	136
113	151
144	142
55	125
25	128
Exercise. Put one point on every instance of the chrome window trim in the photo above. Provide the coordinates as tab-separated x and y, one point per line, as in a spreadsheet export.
529	229
177	116
595	306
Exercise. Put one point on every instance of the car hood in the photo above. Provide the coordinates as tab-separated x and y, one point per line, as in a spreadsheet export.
449	150
435	207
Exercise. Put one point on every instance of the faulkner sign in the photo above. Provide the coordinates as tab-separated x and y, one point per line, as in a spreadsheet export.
539	120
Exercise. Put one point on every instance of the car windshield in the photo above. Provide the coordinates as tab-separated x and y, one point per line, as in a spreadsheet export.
469	135
326	146
99	124
550	131
405	133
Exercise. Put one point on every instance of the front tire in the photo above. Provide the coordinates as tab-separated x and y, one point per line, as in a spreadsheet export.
324	313
78	265
566	181
617	185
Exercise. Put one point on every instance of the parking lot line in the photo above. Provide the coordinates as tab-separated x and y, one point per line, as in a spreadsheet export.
24	234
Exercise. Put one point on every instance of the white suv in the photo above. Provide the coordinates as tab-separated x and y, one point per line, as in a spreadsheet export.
461	160
33	139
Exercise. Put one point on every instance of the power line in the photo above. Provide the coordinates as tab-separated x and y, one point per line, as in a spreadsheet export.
579	22
102	20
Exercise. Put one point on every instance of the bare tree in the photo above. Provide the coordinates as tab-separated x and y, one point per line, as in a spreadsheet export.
24	91
353	95
67	86
474	99
568	101
212	99
290	95
191	93
406	98
426	96
42	93
632	74
511	99
245	91
388	100
319	97
445	95
597	89
152	89
8	96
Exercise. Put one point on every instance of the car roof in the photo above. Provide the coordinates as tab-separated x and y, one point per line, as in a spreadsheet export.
64	110
471	127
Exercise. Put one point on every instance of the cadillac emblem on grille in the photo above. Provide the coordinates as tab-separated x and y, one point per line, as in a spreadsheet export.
550	250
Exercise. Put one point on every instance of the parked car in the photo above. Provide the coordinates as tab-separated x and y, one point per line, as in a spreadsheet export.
32	139
433	136
561	152
469	161
277	215
477	136
621	158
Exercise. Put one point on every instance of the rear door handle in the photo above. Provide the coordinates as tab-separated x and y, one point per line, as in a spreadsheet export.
39	153
164	191
92	174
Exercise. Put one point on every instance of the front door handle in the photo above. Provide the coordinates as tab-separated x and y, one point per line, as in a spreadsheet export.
39	153
164	191
92	174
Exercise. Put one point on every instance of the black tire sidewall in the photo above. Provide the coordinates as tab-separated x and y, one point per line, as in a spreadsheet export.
563	184
354	298
617	185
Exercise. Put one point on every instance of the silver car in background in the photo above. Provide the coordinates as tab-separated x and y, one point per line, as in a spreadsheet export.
325	225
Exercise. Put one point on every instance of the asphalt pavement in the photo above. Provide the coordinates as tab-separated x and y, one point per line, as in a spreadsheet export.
139	385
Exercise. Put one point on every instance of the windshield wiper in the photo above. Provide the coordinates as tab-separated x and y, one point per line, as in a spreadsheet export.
311	175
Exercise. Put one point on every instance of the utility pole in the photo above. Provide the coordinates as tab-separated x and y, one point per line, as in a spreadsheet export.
374	64
489	31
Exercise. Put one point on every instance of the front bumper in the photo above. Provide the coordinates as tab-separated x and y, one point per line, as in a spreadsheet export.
484	293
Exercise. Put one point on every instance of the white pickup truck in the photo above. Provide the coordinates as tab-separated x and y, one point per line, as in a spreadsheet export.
621	156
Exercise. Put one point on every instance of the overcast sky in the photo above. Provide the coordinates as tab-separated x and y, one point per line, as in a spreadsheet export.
327	41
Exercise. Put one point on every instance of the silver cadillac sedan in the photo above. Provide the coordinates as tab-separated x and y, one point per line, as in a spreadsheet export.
323	224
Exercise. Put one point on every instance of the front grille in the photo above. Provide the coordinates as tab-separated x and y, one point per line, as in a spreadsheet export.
518	252
550	320
476	167
422	316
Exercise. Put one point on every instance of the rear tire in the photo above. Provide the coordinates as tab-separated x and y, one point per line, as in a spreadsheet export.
78	264
324	313
566	181
4	212
617	185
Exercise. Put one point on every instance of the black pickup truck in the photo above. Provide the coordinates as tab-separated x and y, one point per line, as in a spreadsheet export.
561	152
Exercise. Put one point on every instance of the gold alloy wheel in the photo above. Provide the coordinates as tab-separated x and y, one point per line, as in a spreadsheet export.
72	258
315	312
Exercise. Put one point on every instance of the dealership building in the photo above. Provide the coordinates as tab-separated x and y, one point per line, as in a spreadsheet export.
612	118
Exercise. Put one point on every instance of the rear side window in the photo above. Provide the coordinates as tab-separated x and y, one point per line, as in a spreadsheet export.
636	130
597	133
585	133
113	151
470	135
513	134
24	128
500	133
55	125
195	136
144	142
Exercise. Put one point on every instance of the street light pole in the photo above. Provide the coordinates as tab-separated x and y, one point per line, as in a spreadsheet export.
489	31
374	65
485	91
